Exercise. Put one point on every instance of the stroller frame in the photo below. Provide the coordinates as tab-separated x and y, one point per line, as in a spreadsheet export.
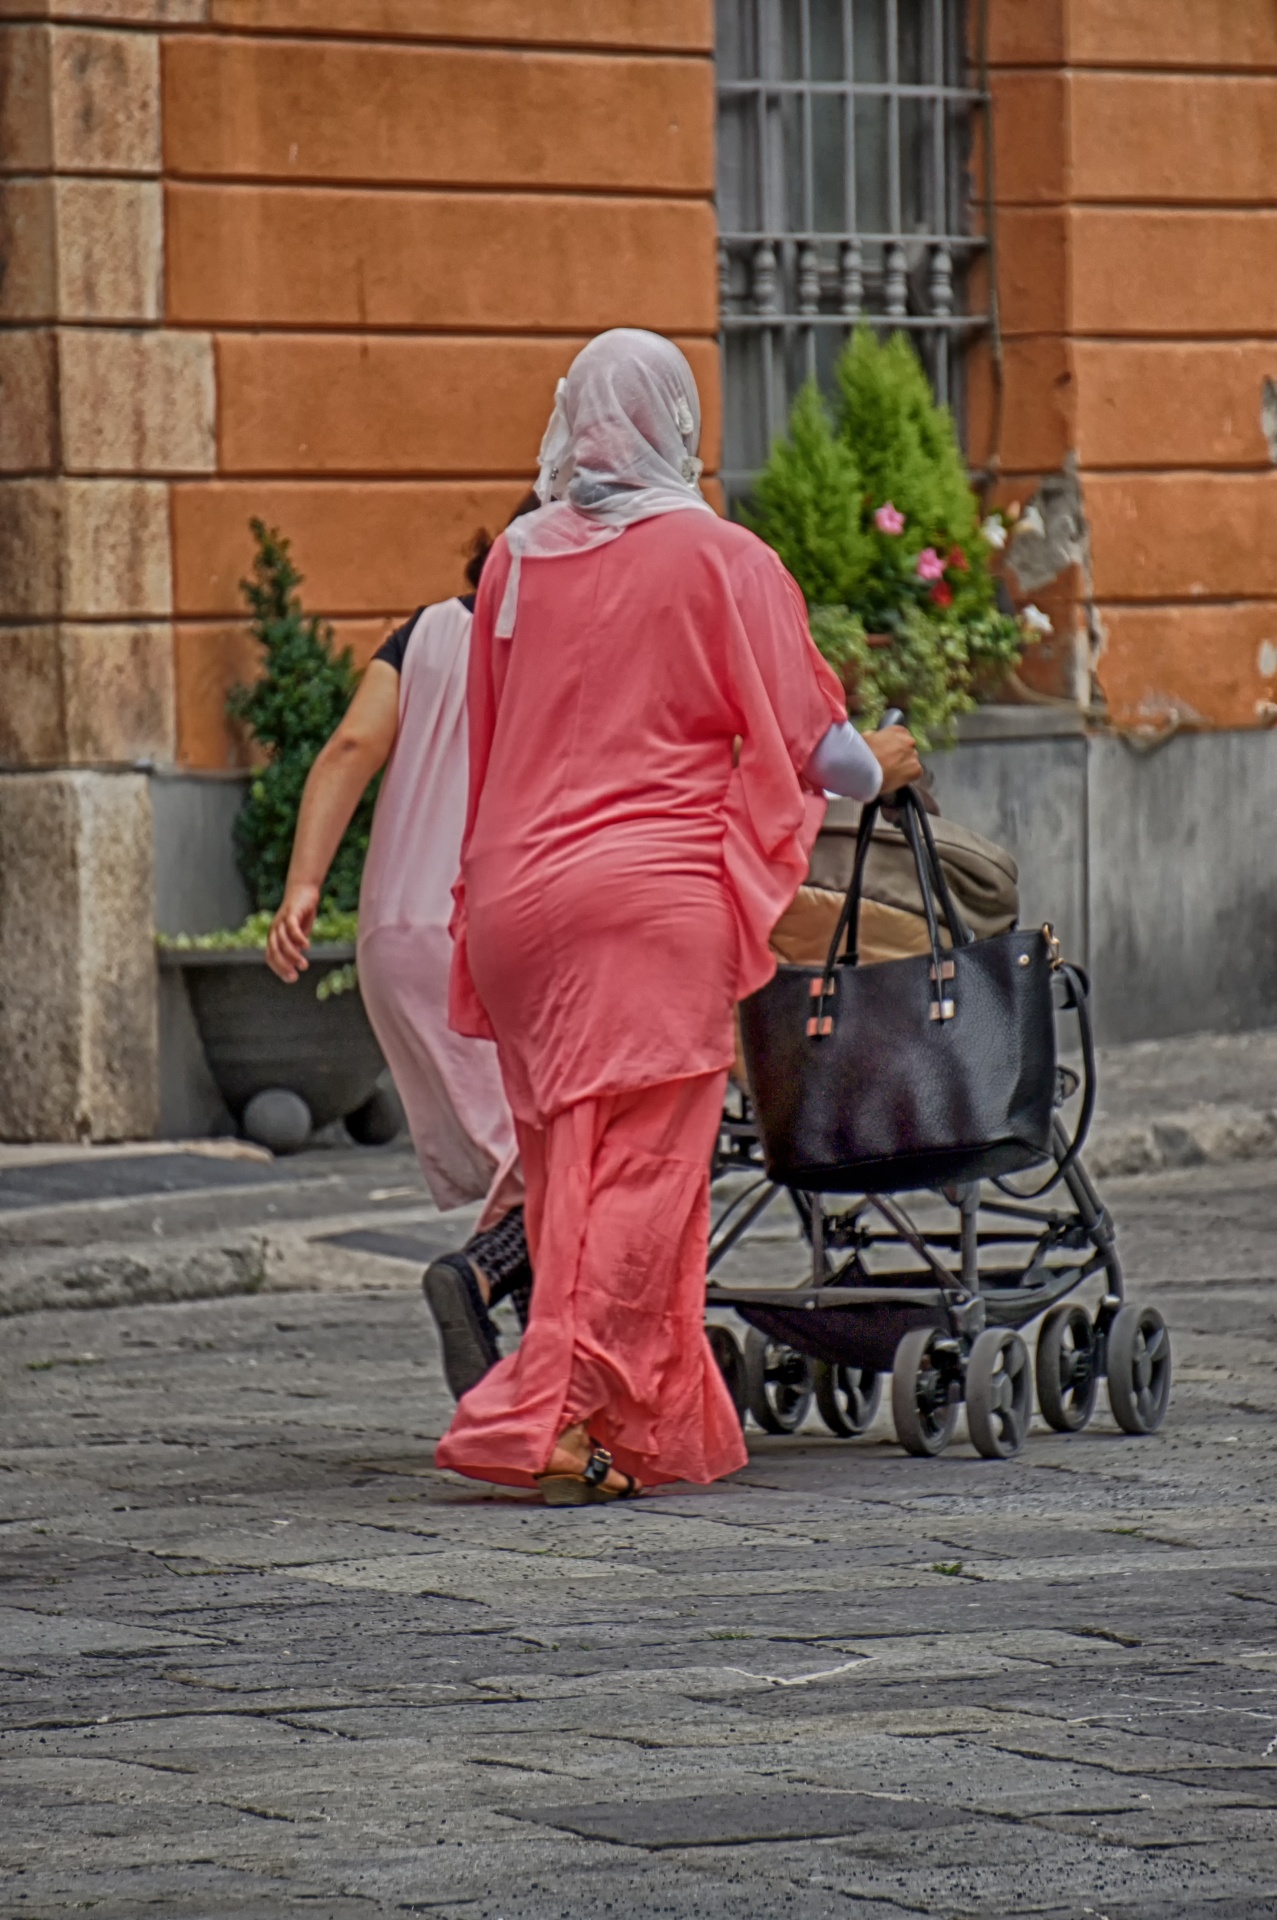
947	1329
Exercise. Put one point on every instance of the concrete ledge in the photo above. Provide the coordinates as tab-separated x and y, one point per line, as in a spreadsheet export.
1154	868
1022	723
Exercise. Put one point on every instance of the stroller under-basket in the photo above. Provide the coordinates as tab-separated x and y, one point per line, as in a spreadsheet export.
934	1293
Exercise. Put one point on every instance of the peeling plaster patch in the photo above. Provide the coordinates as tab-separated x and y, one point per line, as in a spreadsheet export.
1038	558
1088	688
1268	416
1058	537
1267	660
1161	714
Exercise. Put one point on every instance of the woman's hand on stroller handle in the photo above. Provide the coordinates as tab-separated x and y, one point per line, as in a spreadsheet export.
892	745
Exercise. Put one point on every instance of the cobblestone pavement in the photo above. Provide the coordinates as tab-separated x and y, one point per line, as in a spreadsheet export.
259	1658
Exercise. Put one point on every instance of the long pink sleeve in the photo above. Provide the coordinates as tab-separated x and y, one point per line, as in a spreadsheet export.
787	698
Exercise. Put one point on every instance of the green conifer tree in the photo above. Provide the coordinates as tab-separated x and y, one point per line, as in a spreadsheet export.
304	690
808	502
904	443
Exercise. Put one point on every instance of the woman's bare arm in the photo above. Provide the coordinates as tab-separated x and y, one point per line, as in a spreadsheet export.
357	750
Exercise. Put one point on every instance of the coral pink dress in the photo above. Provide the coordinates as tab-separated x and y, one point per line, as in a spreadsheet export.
620	877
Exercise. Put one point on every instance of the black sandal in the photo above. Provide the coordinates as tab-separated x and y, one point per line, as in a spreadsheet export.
586	1489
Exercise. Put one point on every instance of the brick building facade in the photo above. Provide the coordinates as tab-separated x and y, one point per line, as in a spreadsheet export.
1136	174
322	260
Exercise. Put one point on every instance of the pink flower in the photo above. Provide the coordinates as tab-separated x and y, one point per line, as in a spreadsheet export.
889	519
930	566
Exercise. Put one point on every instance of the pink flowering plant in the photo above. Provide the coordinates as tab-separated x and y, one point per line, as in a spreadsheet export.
869	505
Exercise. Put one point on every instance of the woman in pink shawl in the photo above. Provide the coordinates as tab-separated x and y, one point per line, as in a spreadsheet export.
410	711
650	728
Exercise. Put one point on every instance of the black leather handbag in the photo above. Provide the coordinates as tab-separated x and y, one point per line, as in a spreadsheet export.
912	1073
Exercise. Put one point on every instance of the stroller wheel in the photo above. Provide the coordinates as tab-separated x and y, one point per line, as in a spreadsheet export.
1068	1373
999	1393
924	1403
847	1398
1139	1369
731	1364
778	1383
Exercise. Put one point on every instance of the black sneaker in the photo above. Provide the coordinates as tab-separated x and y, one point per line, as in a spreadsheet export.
466	1333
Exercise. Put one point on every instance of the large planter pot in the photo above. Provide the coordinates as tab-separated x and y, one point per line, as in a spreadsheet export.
260	1034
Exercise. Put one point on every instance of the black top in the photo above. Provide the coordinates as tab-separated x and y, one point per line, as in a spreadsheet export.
393	649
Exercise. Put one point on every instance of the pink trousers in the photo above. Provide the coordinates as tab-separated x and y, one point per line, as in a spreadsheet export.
618	1225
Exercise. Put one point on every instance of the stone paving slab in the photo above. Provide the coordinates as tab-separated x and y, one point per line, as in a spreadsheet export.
86	1180
259	1657
1148	1078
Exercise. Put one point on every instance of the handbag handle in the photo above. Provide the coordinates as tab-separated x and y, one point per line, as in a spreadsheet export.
933	886
916	816
931	881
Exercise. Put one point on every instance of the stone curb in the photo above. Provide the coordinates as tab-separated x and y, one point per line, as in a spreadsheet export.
279	1261
1200	1136
129	1278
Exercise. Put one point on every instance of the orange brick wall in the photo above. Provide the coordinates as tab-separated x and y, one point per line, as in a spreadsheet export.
1136	165
387	225
398	220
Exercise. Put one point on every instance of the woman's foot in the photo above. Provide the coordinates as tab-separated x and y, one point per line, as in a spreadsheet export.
579	1473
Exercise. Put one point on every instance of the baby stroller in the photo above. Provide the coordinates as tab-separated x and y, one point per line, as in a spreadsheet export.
936	1293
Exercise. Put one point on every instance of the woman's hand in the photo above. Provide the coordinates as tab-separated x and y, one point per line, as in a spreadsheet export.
343	767
290	932
894	750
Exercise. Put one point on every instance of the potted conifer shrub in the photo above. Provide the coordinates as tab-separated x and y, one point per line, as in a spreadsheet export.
869	505
313	1040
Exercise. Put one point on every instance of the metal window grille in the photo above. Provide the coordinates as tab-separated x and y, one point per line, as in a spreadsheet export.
842	144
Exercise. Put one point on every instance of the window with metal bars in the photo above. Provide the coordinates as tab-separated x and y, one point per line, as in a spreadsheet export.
843	130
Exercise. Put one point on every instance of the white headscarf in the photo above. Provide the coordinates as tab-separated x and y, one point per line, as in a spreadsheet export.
620	447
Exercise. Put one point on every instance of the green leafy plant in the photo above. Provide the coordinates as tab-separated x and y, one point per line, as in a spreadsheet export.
304	690
870	508
340	980
331	929
933	667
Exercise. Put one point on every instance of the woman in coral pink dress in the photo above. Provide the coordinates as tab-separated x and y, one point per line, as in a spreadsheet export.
650	725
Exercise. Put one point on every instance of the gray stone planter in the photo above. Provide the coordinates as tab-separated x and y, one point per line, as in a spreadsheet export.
258	1033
